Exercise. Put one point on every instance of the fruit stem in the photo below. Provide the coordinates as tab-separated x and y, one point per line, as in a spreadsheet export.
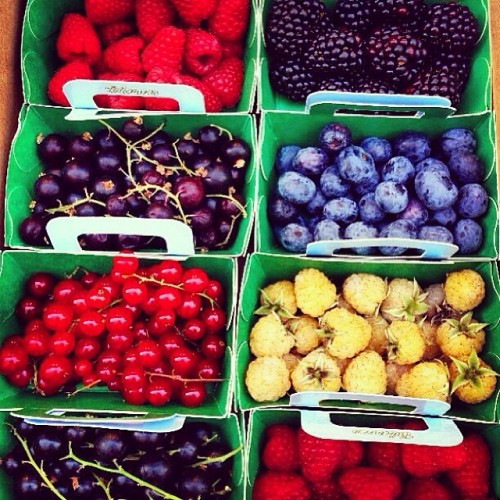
230	197
222	458
32	461
180	379
181	163
223	130
69	209
234	218
84	388
145	139
104	486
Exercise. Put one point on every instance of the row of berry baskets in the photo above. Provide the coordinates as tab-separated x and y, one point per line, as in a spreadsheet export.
380	53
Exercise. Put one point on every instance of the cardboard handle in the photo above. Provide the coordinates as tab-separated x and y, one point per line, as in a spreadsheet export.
434	250
81	94
439	432
335	102
63	232
430	407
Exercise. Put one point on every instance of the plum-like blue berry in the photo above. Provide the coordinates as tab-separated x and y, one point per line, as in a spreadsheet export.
432	164
391	197
281	211
295	237
379	148
446	217
312	222
334	137
284	158
472	201
455	139
468	235
369	211
435	233
342	210
435	190
355	165
310	161
466	167
369	185
415	212
332	185
296	188
414	145
359	230
397	229
315	206
327	230
398	169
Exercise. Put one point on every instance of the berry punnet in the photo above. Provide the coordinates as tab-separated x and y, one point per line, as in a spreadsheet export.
372	46
409	185
156	334
197	179
81	462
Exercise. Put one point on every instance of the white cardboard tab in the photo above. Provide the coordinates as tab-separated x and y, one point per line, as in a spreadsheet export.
63	232
434	250
428	407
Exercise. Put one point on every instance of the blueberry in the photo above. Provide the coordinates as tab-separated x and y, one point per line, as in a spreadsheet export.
334	137
331	184
457	139
310	161
415	212
397	229
466	167
355	165
296	188
368	186
432	164
379	148
284	158
327	230
414	145
398	169
446	217
342	210
313	222
472	201
435	233
295	237
281	211
435	190
369	211
391	197
468	235
358	230
315	206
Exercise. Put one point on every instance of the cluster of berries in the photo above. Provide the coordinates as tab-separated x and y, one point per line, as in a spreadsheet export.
190	42
300	466
374	337
154	334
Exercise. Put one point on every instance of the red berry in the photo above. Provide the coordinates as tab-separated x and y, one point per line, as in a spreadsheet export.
183	361
134	310
35	325
90	324
194	280
118	319
193	394
44	388
79	302
140	331
168	297
169	271
193	12
152	15
165	50
149	353
22	378
214	290
55	370
36	343
14	341
190	306
40	284
208	369
65	290
134	396
111	358
114	384
230	19
108	11
28	308
13	359
170	341
133	377
83	367
214	319
125	263
161	321
112	32
57	316
159	391
203	52
98	297
108	284
226	81
150	305
213	347
105	373
72	71
194	329
120	341
88	280
131	357
87	348
61	343
134	292
124	56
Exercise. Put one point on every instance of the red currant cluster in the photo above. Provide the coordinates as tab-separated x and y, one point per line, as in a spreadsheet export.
153	333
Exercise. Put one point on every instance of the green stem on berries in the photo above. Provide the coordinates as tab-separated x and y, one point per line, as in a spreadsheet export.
222	458
119	470
103	485
32	461
84	388
229	134
229	197
69	209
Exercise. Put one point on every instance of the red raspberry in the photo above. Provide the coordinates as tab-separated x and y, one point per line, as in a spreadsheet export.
71	71
327	490
159	75
124	56
152	16
232	49
230	20
193	12
166	50
203	52
77	40
120	101
108	11
281	449
272	485
226	81
113	32
212	102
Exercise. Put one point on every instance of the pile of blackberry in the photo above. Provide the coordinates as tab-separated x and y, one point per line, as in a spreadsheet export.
373	46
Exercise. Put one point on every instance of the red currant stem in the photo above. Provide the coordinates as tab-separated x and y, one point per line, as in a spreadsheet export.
84	388
180	379
222	458
32	461
69	209
104	486
120	470
230	197
111	304
234	218
223	130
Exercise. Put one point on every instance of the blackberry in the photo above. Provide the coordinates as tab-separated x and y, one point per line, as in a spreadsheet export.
290	26
439	83
372	86
454	63
292	80
395	55
450	26
398	11
339	84
356	15
336	51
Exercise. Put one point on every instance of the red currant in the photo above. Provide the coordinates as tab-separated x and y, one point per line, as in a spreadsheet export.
35	325
90	379
13	359
107	283
134	396
169	271
135	310
28	308
14	341
183	361
215	291
55	370
98	297
168	297
125	264
131	357
111	358
115	384
208	369
118	319
161	321
87	348
150	305
22	378
133	377
214	319
105	373
149	353
190	306
170	341
65	290
213	347
193	394
40	284
90	324
120	341
36	343
134	292
194	329
194	280
83	367
57	316
140	330
62	343
46	389
88	280
159	391
79	302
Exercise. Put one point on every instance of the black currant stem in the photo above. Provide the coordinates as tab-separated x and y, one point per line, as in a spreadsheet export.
103	485
67	208
84	388
120	470
180	379
238	205
179	159
222	458
234	218
32	461
223	130
145	139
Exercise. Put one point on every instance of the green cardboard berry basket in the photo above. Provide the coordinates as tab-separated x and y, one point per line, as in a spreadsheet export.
476	97
262	270
15	269
39	57
367	428
280	128
24	165
230	428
